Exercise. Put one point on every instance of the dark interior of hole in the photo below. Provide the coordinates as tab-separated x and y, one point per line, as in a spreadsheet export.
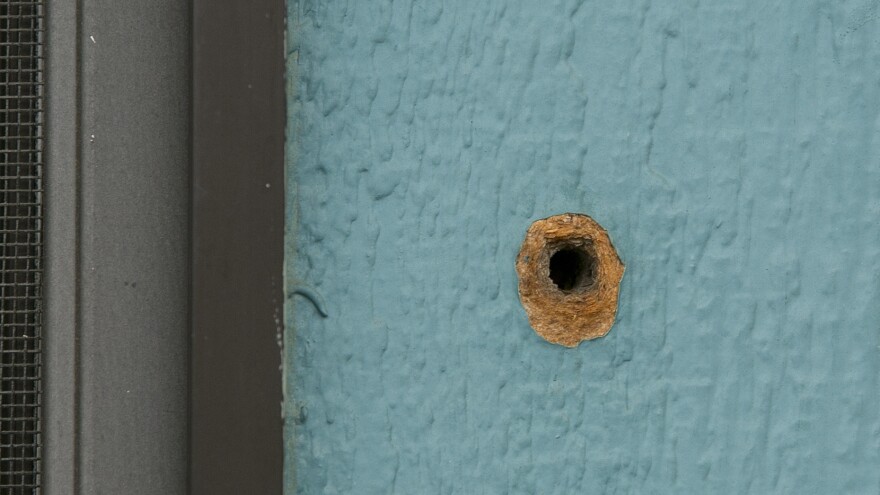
572	269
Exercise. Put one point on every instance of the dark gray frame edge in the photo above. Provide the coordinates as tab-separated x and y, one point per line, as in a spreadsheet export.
117	278
238	233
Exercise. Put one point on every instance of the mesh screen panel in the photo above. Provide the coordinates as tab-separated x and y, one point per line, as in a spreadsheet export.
21	171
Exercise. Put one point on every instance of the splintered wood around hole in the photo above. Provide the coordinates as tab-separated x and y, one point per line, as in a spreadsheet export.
569	278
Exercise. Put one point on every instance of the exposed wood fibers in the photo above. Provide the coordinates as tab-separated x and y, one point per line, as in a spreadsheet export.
585	308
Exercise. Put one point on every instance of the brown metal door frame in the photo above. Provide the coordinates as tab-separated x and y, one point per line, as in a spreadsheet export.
163	246
238	227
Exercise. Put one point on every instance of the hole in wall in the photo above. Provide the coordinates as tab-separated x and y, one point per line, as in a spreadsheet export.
569	278
572	269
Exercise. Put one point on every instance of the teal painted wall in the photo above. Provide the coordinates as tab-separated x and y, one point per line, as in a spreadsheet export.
730	148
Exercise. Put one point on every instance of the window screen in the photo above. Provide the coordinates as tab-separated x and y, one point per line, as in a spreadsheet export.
21	172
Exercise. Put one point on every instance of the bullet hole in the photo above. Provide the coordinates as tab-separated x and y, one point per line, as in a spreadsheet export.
569	279
572	269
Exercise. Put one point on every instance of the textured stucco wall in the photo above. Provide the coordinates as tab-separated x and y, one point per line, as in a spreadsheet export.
730	148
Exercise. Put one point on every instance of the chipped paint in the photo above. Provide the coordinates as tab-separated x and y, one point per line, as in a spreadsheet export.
583	308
